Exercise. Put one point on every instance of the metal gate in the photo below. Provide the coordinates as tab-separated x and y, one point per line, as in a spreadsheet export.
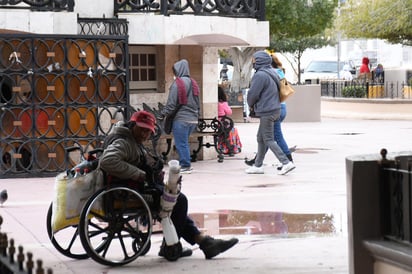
55	92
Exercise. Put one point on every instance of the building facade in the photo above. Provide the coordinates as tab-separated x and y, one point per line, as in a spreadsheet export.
122	48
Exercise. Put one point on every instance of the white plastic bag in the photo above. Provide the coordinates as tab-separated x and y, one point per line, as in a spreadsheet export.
70	196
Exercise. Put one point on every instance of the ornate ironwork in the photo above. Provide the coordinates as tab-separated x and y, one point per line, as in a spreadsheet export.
39	5
396	197
103	26
216	128
356	89
14	260
241	8
58	91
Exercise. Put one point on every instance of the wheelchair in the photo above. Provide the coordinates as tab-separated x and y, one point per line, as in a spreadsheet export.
115	224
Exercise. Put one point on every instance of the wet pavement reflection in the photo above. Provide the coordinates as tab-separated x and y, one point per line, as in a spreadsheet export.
263	222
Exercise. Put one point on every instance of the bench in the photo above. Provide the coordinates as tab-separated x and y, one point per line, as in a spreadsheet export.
219	129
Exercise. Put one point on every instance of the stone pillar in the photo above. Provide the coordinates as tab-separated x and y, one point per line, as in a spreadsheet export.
210	82
210	77
204	69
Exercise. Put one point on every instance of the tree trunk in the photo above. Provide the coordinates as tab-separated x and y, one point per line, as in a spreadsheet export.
242	67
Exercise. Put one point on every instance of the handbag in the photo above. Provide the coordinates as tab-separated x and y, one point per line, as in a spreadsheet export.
168	120
285	90
284	87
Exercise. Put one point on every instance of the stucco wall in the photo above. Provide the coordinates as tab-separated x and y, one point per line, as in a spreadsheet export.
154	29
39	22
304	105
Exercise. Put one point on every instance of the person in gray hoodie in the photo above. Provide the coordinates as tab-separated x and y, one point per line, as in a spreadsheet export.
263	95
184	91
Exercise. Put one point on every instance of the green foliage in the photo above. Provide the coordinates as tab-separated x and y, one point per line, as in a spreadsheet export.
292	45
299	25
384	19
223	53
299	18
354	91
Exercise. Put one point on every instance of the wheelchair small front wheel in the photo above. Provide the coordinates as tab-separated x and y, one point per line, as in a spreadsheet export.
173	252
220	158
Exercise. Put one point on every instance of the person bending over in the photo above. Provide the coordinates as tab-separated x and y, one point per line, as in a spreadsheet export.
125	158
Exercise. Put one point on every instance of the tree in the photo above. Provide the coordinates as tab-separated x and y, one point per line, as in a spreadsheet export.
383	19
242	67
294	27
299	25
297	47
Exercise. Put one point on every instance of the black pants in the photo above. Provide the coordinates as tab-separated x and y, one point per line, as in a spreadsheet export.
185	227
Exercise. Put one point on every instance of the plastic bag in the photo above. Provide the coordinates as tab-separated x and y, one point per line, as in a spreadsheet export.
70	196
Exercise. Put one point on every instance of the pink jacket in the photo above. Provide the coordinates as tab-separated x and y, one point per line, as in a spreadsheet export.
223	109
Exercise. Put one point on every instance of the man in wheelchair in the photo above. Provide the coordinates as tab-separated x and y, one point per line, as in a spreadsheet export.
126	158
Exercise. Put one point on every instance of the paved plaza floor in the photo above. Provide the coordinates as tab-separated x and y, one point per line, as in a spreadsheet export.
286	224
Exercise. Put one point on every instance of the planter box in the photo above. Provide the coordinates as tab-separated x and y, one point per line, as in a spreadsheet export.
376	92
407	92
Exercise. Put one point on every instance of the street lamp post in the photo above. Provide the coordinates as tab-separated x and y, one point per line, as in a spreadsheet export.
339	38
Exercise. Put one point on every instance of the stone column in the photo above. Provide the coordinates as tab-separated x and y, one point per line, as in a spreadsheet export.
210	82
204	69
210	75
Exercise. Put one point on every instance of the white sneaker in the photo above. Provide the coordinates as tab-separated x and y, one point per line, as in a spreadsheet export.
186	170
287	168
278	166
255	170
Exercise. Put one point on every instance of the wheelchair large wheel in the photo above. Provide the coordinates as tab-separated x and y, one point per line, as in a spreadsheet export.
120	218
67	240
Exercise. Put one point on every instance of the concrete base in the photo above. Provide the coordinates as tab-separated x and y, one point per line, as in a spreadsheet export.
385	109
237	114
304	105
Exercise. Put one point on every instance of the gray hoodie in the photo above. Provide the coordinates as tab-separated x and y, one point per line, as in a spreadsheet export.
189	112
263	93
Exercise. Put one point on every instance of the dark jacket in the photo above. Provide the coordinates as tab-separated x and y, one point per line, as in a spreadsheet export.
263	94
123	156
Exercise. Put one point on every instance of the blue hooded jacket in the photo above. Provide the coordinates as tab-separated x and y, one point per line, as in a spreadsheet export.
263	93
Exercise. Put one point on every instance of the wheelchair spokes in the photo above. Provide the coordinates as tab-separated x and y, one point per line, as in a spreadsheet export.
70	235
124	235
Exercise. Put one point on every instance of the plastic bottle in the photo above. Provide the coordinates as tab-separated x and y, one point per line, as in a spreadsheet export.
174	175
169	231
172	187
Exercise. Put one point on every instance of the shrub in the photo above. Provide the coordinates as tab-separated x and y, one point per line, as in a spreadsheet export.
354	91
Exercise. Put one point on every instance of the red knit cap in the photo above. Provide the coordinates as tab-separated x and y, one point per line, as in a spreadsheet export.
144	119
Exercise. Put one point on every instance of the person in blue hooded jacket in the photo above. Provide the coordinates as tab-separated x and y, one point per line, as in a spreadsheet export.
263	95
